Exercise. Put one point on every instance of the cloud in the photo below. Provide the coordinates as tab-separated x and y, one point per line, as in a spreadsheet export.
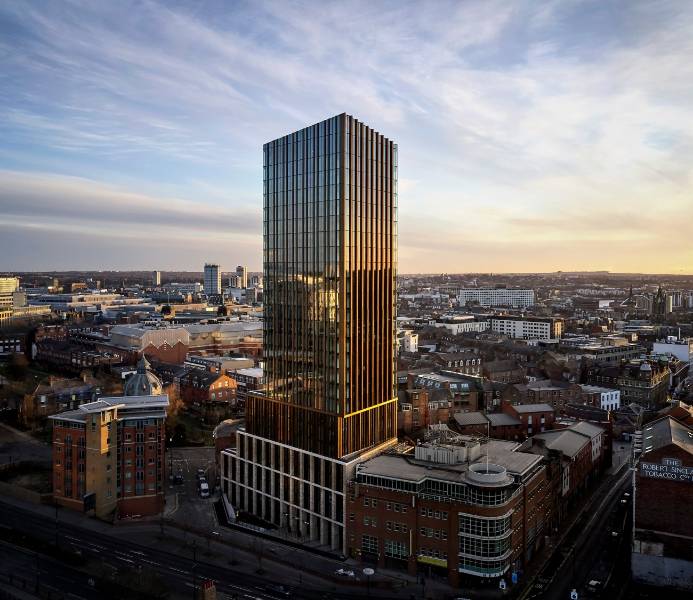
49	198
536	128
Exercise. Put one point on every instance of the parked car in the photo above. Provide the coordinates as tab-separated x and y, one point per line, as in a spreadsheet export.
344	572
178	479
204	490
201	474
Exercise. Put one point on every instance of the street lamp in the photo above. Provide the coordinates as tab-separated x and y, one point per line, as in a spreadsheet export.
368	572
170	458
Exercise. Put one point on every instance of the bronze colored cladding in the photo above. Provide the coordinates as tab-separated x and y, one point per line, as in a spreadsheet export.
330	244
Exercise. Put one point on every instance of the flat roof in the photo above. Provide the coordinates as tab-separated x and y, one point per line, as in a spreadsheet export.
251	371
122	402
596	389
408	468
530	408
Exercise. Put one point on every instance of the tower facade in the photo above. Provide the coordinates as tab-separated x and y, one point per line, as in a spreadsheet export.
330	256
330	231
242	276
212	280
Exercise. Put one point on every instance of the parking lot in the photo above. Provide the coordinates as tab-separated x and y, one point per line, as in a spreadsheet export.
183	501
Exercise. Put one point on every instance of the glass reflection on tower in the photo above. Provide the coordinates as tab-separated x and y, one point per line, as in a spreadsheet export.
330	251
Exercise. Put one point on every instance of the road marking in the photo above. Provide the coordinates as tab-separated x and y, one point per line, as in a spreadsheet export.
151	562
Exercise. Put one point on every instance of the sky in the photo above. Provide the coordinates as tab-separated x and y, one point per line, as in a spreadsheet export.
533	136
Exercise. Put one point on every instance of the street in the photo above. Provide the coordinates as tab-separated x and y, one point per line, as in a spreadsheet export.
590	550
180	571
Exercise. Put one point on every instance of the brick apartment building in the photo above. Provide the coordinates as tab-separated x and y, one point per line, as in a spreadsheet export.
575	455
504	371
455	387
556	393
204	387
644	382
496	425
12	342
52	396
250	379
419	408
108	456
663	495
515	422
467	362
74	356
535	418
463	511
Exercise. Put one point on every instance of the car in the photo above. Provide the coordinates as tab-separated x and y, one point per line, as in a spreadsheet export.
201	474
178	479
200	482
204	490
594	585
344	573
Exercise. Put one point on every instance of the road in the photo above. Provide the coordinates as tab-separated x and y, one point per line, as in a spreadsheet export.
590	550
179	572
37	573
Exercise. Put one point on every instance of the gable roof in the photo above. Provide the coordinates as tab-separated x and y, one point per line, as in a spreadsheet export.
502	419
664	432
565	441
471	418
587	429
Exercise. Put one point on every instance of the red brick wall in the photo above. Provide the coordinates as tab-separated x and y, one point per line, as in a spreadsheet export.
60	460
531	511
151	439
662	504
167	354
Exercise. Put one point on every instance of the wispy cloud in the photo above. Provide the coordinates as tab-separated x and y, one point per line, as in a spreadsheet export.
521	125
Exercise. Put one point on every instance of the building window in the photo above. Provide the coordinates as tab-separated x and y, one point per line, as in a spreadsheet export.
395	549
369	544
370	521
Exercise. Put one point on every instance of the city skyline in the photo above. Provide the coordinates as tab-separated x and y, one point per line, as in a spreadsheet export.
538	137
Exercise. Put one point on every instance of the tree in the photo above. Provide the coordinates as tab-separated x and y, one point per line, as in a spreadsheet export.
18	368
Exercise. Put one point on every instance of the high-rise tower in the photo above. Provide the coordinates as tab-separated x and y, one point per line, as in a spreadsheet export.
330	256
212	279
242	275
329	296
